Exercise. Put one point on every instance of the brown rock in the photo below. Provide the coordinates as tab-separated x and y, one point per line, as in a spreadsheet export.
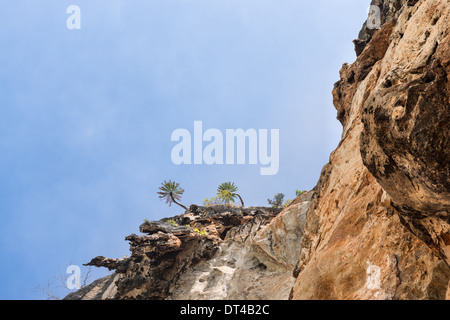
390	174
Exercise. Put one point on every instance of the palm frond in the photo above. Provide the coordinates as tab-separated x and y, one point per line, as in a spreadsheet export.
226	192
170	191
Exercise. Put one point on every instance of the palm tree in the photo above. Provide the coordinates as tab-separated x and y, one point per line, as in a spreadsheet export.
227	192
171	192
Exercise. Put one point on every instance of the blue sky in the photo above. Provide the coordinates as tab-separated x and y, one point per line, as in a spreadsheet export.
86	115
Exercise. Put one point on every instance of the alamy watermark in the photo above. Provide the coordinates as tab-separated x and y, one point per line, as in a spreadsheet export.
374	18
73	22
73	282
236	146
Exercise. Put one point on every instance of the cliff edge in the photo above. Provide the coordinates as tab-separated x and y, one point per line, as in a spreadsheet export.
376	226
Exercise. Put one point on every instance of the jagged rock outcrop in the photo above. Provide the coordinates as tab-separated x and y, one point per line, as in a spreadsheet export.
215	252
405	143
386	11
376	226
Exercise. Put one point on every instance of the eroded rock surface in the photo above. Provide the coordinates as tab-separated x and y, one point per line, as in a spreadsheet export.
208	253
405	142
378	228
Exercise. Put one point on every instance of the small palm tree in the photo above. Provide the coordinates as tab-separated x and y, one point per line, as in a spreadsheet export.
171	192
227	192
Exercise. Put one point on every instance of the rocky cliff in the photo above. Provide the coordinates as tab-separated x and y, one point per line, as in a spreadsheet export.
208	253
376	226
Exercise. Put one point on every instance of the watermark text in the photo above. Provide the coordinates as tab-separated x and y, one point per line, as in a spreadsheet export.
236	146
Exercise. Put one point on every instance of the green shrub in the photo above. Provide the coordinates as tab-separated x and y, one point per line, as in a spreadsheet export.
172	222
287	203
298	193
277	201
210	202
203	233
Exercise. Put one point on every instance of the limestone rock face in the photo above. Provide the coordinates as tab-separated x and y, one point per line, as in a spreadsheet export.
405	143
378	227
